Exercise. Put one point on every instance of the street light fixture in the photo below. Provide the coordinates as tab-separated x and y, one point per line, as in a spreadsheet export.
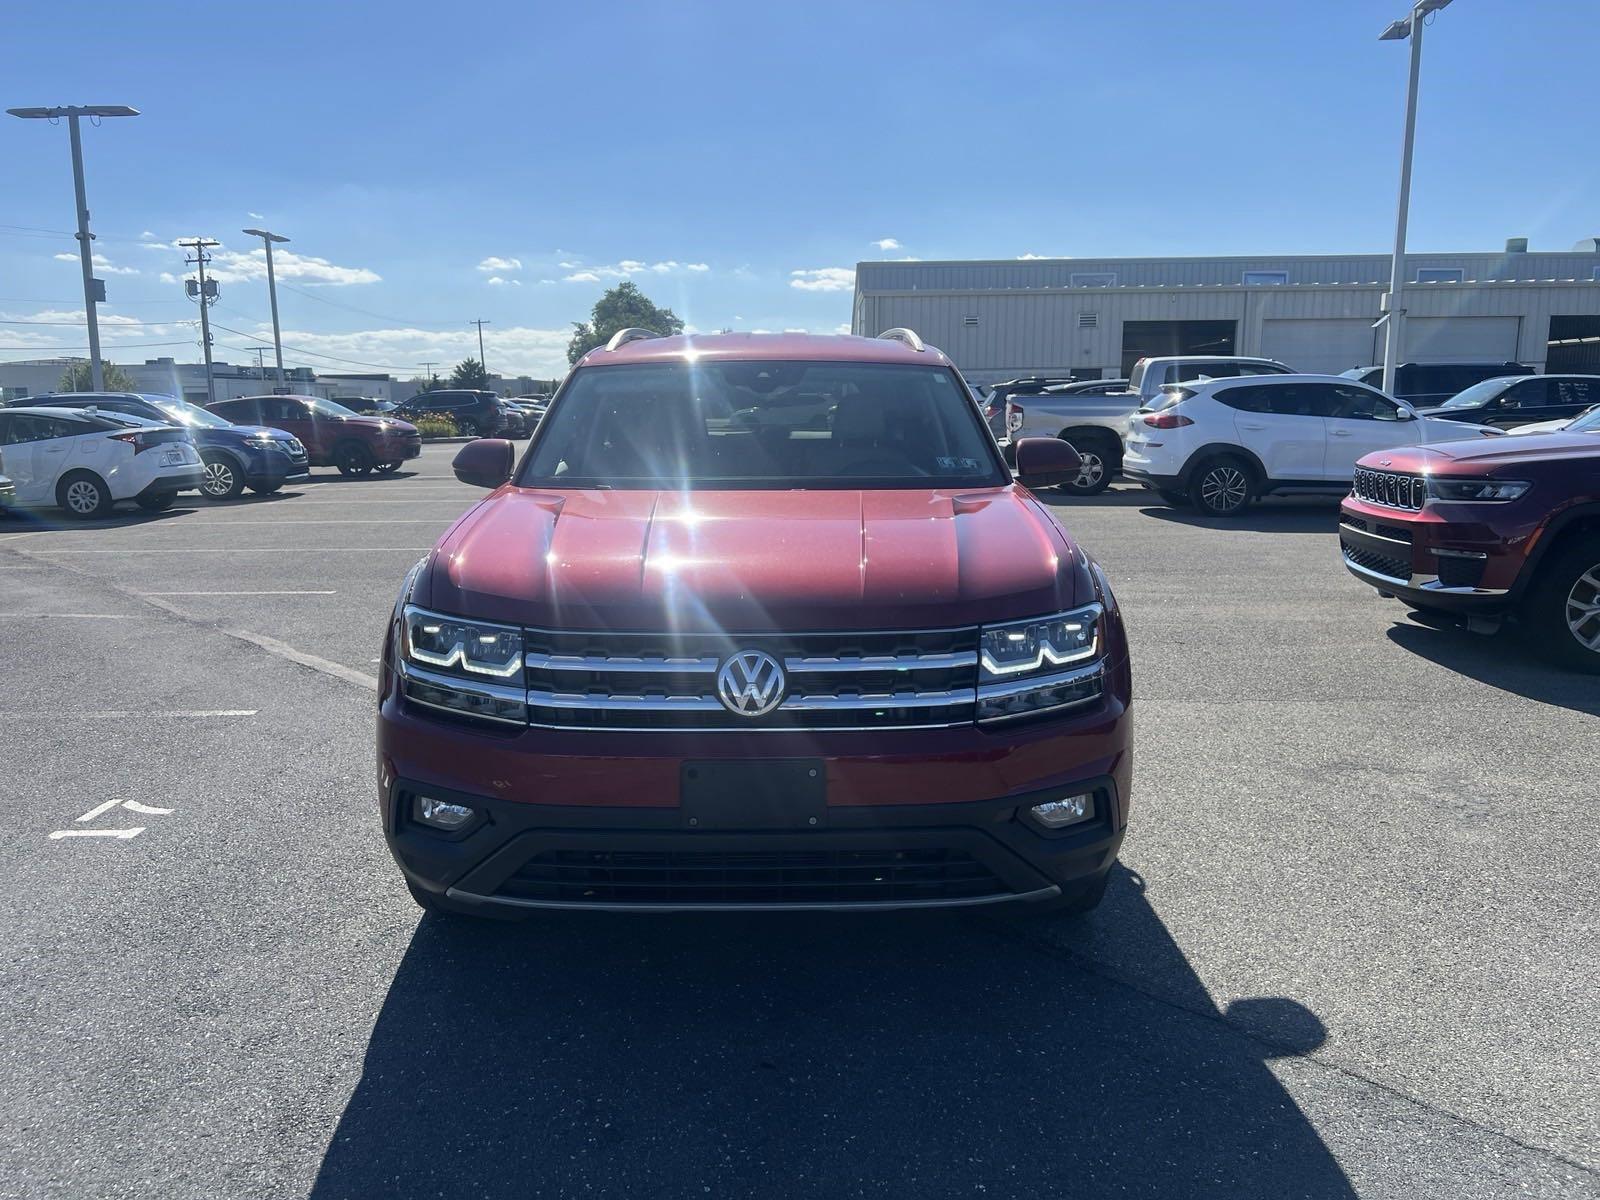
272	293
1393	317
93	289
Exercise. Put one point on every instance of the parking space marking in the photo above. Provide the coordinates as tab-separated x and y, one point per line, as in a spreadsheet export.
58	834
126	714
100	810
143	595
80	616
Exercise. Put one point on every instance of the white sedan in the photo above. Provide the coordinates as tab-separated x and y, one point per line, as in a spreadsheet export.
85	462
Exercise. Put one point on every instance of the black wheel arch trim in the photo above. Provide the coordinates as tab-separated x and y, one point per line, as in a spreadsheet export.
1549	539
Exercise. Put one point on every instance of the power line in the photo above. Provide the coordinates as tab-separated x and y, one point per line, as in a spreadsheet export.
315	353
366	312
117	346
113	325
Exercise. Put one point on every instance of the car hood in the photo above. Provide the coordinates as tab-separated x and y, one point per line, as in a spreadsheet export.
749	561
238	433
1485	455
379	424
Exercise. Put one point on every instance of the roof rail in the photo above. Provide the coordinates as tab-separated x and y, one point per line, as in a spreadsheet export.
908	336
632	334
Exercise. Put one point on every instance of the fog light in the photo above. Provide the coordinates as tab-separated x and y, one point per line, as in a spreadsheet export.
1070	810
441	814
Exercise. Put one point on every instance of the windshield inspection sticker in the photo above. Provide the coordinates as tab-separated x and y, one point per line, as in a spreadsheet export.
966	465
100	810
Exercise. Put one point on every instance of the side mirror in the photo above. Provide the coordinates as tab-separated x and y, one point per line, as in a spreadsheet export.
1045	462
485	463
1406	414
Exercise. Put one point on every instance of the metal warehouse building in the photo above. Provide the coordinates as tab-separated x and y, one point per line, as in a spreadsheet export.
1093	318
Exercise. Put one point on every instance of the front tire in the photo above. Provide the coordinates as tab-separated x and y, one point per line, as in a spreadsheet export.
1562	614
388	468
467	428
1222	487
1099	464
84	496
224	480
352	459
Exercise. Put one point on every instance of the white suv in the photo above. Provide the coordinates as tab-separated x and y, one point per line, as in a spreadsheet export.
85	462
1224	442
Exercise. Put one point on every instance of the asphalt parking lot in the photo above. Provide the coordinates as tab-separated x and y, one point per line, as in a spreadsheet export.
1350	951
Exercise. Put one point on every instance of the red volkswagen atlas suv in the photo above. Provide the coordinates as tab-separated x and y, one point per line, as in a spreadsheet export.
757	622
1488	531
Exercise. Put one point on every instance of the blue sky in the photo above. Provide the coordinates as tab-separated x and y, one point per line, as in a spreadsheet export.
737	160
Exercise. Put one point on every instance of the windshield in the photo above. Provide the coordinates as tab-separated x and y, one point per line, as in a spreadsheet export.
192	415
327	408
1478	394
763	425
1586	422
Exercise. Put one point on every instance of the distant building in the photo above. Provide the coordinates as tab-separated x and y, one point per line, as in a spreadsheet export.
1093	318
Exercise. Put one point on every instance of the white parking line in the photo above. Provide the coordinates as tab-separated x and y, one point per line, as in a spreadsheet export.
328	593
123	714
110	833
80	616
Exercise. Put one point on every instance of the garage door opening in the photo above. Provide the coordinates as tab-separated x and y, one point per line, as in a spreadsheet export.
1574	346
1156	339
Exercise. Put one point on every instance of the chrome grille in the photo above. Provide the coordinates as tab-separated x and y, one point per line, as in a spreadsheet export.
604	680
1393	489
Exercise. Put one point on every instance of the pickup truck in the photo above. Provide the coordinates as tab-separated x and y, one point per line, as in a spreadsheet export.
1091	415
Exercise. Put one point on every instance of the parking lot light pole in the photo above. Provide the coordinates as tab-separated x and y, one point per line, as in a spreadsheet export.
91	293
272	294
1394	314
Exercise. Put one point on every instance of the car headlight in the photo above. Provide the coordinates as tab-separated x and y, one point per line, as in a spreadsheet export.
1039	665
470	667
1476	489
260	441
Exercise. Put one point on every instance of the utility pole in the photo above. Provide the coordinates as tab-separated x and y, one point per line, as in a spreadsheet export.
93	289
480	323
427	377
1394	314
272	293
205	295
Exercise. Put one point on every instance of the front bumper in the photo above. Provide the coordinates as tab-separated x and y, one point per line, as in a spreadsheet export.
901	819
8	493
270	468
1439	557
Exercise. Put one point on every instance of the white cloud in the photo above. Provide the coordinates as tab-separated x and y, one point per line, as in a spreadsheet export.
497	281
255	216
232	266
842	327
496	263
101	263
568	266
515	350
628	267
823	279
696	267
582	277
169	277
887	244
1031	255
147	236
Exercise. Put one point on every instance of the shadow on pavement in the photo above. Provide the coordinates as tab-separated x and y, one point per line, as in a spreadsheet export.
1272	515
370	477
1503	660
912	1055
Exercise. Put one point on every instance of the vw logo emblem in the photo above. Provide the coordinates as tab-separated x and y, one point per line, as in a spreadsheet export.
750	683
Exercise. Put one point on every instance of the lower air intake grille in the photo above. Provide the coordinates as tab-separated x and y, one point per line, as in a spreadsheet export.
752	877
1381	564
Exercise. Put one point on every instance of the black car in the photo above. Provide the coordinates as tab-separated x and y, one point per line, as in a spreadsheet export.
1427	385
1521	400
476	414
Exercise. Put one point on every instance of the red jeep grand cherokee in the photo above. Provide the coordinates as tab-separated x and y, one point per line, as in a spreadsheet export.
758	622
1488	529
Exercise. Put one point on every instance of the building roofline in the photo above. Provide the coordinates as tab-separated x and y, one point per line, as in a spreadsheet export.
1212	258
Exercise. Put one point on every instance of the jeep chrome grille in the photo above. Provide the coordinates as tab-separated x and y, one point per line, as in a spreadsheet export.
603	680
1392	489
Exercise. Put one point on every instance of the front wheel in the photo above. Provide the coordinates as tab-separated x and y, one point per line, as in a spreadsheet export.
1562	614
467	428
1094	476
352	458
223	480
388	468
1222	487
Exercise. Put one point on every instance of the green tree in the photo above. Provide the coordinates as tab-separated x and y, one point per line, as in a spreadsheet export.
622	306
77	378
469	373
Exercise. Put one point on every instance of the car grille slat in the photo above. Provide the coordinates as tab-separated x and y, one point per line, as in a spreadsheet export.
712	877
1392	489
1396	569
584	680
